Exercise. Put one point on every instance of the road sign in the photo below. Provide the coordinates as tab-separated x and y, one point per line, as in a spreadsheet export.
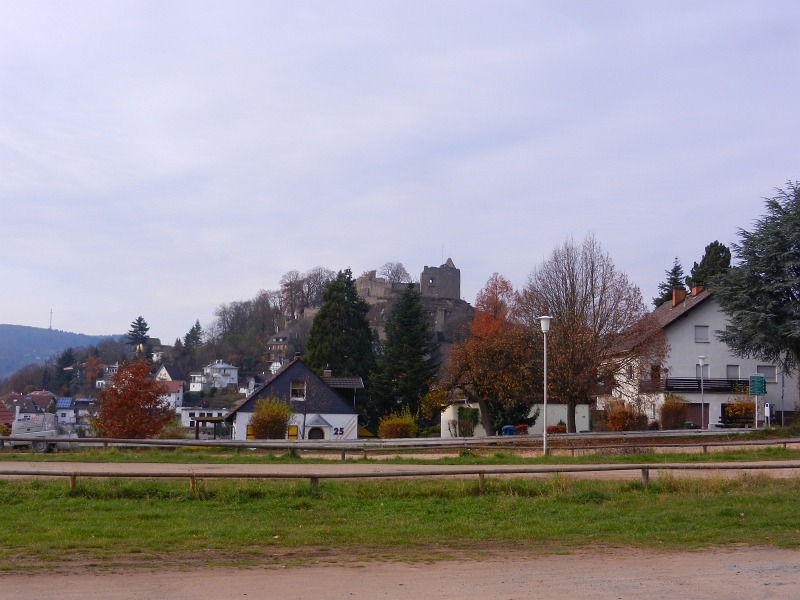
758	387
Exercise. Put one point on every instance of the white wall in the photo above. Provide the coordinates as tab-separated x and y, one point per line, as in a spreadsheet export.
558	412
346	424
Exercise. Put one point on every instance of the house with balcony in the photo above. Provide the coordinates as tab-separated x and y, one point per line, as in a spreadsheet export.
702	369
218	374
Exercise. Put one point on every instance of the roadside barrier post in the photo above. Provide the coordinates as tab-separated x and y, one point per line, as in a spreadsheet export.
645	477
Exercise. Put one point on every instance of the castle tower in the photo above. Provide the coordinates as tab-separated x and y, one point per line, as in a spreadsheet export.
443	282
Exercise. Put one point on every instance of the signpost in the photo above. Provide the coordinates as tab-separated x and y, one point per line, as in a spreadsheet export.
758	387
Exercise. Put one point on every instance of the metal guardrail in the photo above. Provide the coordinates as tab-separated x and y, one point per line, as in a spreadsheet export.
314	478
366	447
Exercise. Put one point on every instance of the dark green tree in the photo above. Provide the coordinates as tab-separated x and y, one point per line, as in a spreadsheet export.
194	337
716	259
674	280
408	360
138	333
65	364
761	295
340	337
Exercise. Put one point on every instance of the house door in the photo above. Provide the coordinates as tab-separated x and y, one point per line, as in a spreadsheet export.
693	414
316	433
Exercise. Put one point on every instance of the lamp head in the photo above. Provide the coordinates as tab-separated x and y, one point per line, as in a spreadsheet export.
701	360
545	323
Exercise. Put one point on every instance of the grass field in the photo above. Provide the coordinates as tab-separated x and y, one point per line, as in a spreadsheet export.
235	522
225	456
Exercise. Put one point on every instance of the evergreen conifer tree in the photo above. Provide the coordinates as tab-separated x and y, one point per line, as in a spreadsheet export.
760	294
138	332
408	360
674	280
340	337
716	260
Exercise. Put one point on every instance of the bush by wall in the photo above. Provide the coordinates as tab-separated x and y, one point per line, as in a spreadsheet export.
270	419
398	425
673	412
621	417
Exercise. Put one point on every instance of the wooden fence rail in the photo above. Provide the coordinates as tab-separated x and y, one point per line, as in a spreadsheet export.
481	473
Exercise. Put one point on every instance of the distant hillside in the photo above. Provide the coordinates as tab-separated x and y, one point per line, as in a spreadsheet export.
20	345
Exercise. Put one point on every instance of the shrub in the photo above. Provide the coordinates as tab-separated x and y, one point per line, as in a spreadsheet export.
521	429
4	430
740	411
433	431
621	417
673	412
173	431
270	419
561	428
398	425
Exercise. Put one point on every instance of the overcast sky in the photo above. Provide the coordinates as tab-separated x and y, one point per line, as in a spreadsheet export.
160	158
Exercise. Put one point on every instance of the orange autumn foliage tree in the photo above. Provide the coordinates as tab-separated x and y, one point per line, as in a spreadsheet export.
494	363
133	406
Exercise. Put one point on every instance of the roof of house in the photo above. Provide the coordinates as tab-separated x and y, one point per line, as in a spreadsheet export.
666	314
344	382
218	364
175	372
6	418
320	397
173	386
26	405
63	402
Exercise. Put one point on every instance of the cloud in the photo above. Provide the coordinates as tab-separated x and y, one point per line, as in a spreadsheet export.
160	157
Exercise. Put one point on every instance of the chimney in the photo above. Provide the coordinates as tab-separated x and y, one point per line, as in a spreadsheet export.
696	289
678	296
327	373
16	415
296	355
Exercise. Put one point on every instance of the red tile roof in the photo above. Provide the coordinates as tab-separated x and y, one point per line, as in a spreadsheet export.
666	313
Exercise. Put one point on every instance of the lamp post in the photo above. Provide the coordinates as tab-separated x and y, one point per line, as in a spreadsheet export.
545	323
702	361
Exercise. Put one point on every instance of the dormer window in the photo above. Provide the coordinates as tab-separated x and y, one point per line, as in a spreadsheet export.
298	390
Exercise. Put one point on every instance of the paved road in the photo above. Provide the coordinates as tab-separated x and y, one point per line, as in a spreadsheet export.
104	469
602	575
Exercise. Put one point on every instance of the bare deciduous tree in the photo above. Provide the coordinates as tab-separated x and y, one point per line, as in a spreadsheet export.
395	273
600	323
315	281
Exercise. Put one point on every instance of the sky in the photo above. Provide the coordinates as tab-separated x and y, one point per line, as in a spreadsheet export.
161	158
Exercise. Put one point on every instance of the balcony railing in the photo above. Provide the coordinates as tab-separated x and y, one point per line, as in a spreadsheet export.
691	385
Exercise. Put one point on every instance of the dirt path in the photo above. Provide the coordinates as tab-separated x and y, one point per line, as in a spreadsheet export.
615	574
101	469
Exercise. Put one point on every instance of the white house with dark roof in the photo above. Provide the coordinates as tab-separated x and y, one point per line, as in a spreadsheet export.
691	323
218	374
320	412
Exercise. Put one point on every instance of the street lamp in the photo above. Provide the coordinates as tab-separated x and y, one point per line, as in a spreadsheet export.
545	323
702	361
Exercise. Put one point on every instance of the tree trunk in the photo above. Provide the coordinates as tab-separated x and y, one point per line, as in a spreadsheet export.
487	422
571	416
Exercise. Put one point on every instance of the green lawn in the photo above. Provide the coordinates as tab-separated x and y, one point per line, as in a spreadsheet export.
240	522
223	456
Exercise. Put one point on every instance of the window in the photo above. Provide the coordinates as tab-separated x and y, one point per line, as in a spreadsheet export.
219	414
191	423
629	372
191	415
655	372
697	371
430	282
63	415
770	372
701	334
732	371
298	390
